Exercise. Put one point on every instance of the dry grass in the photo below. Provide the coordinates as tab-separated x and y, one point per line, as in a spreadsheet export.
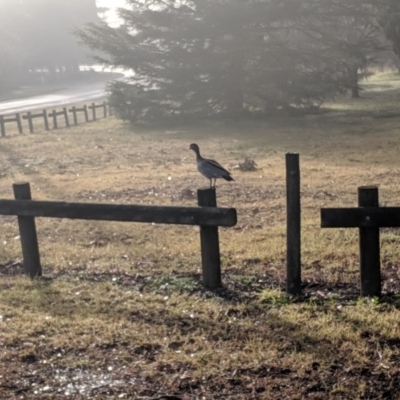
121	312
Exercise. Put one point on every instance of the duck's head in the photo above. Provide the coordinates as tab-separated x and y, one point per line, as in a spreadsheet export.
195	148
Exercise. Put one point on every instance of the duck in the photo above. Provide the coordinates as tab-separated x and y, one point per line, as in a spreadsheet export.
211	169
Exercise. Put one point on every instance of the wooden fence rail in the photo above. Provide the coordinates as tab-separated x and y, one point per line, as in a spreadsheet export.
54	114
207	216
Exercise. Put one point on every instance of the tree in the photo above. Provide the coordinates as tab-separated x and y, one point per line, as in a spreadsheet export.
351	34
229	57
390	22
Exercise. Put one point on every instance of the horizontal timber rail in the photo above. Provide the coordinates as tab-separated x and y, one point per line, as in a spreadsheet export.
365	217
204	216
207	216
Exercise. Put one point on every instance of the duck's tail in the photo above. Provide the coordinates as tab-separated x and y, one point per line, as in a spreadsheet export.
228	178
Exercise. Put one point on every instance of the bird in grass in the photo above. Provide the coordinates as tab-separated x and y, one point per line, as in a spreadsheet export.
210	168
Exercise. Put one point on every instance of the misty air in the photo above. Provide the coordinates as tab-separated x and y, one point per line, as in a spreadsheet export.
199	199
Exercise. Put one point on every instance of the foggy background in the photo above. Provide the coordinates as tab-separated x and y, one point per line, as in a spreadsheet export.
201	58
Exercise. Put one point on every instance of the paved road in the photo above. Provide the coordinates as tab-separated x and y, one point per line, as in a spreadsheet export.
60	97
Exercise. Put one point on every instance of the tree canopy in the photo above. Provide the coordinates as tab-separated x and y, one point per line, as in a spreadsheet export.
201	58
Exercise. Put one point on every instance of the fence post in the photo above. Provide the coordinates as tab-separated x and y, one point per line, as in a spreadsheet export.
29	118
66	117
2	125
86	113
73	110
370	263
19	123
293	279
53	114
27	231
46	121
209	241
93	107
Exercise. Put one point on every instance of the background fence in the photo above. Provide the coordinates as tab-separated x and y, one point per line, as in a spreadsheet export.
59	118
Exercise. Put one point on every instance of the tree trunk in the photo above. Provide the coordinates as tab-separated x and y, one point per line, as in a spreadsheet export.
355	92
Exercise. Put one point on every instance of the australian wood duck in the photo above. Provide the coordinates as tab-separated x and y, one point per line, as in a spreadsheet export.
210	168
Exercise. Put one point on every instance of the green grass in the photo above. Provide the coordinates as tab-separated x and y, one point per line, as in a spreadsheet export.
121	312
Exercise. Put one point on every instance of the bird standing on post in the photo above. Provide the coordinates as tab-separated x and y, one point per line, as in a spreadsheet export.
210	168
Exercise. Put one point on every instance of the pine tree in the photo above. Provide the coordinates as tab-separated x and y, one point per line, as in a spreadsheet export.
200	58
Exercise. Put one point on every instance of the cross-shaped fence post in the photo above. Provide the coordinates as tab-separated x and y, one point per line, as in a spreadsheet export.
368	218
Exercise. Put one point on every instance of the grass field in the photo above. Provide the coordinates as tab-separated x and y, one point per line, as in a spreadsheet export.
121	312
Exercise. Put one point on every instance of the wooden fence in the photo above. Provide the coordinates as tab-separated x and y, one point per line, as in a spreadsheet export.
368	217
207	216
54	115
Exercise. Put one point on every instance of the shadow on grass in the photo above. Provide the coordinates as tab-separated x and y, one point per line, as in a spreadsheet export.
244	321
237	288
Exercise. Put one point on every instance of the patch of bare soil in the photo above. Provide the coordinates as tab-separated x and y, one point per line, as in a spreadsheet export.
12	269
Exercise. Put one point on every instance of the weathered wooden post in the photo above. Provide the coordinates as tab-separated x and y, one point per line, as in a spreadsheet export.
30	121
85	110
73	110
93	108
19	123
27	231
209	240
53	114
370	263
46	121
293	279
2	125
65	112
